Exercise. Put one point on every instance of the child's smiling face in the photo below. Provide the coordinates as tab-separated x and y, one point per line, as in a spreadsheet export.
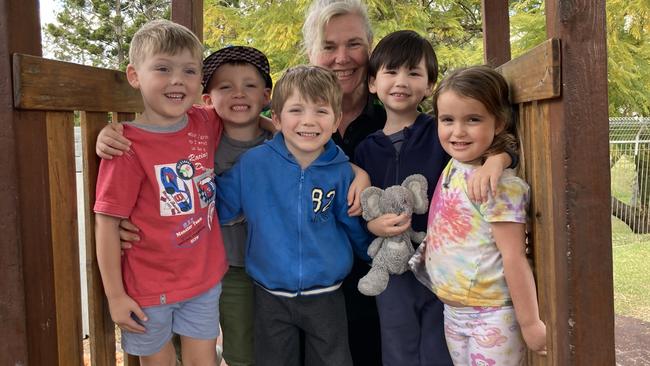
465	127
401	89
306	126
238	93
169	85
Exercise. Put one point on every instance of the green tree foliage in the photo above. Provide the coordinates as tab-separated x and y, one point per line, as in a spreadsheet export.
628	55
274	27
628	49
98	32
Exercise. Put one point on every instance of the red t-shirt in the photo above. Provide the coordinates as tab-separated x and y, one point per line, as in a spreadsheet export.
165	186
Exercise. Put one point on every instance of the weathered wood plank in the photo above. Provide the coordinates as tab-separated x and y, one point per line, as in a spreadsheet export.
496	32
190	14
549	269
102	328
26	312
43	84
579	132
65	246
535	75
129	360
13	342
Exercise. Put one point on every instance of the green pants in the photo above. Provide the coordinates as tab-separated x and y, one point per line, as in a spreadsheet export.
236	317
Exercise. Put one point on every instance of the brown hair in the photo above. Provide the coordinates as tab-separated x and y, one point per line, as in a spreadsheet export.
487	86
313	83
163	36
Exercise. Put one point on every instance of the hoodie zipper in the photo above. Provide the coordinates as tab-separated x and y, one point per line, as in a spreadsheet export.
300	206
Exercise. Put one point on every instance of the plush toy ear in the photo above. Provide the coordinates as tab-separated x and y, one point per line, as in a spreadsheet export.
417	184
370	202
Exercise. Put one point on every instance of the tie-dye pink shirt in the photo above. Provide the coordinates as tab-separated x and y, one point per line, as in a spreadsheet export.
462	260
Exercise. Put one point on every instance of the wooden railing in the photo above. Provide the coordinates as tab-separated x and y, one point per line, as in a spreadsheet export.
534	80
60	89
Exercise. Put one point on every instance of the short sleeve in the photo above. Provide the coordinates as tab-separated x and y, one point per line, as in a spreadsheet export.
511	202
118	185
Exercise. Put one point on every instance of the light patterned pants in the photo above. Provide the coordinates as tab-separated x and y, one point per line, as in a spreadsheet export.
484	336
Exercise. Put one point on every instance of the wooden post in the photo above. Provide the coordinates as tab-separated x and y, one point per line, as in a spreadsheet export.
496	32
190	14
581	193
27	307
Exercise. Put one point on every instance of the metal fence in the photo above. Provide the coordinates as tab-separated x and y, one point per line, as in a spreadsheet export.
629	157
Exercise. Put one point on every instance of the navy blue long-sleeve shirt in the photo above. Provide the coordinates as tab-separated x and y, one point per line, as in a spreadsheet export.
420	153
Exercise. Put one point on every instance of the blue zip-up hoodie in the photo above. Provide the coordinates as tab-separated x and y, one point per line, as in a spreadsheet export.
300	237
420	153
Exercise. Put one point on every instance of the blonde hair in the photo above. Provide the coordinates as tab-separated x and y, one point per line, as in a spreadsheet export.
321	12
163	36
313	83
487	86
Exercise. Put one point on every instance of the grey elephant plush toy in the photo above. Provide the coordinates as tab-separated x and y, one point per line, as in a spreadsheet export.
390	255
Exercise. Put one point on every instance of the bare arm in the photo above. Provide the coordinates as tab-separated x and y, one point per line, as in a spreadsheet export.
267	124
120	304
111	142
361	181
487	177
510	239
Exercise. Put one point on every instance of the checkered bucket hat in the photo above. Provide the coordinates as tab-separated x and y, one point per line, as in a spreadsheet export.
250	55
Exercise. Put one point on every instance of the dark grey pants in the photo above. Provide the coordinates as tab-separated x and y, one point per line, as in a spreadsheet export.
278	321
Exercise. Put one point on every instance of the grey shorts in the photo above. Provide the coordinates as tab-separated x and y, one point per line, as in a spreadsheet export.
197	317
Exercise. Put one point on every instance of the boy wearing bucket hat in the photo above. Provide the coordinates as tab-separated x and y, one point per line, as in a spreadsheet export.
237	83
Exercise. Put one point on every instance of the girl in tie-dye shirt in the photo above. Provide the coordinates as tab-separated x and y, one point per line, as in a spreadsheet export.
473	257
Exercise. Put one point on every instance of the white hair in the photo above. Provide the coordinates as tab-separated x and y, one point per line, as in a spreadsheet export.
321	12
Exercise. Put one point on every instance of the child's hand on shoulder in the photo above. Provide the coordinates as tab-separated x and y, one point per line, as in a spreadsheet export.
361	181
486	178
535	336
389	224
111	141
121	307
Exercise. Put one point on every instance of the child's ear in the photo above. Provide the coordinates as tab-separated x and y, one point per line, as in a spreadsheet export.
337	123
429	91
132	76
371	85
501	125
267	96
276	120
207	100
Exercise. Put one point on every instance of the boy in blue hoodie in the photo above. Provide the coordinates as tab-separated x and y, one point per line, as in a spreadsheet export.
292	191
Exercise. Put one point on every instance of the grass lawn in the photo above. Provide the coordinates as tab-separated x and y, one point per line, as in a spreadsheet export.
631	254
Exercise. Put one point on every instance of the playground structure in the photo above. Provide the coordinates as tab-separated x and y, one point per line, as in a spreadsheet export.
560	88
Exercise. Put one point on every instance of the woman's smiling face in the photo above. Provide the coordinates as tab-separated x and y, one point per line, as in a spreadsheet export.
345	51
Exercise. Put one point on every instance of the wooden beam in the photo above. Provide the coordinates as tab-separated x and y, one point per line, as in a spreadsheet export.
190	14
27	307
65	244
536	74
580	161
13	312
102	328
43	84
496	32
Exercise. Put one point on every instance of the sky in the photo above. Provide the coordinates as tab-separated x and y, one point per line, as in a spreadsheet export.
48	9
